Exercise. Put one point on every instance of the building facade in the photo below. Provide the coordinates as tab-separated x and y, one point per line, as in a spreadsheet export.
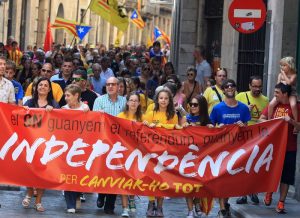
205	22
26	20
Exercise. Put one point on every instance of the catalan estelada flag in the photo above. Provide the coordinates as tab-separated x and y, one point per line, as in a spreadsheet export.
111	12
137	19
159	34
68	25
74	28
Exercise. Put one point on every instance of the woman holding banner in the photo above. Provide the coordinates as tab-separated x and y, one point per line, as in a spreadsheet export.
198	116
42	98
72	97
133	112
163	115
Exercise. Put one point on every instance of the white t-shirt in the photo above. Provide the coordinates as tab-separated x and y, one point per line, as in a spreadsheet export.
82	107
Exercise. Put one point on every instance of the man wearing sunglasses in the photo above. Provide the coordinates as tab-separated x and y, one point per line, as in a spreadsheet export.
256	102
113	104
87	96
47	71
229	111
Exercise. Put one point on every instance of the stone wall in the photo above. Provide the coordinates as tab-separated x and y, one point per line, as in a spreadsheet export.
185	34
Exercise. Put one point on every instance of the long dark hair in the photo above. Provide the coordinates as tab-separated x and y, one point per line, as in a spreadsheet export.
35	96
203	110
170	108
138	114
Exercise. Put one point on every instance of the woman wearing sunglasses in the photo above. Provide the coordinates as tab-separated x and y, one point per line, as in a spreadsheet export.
191	87
197	116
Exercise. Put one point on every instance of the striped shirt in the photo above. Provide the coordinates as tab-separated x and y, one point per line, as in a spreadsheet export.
105	104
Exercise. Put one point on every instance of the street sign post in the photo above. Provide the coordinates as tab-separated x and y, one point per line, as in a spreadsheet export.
247	16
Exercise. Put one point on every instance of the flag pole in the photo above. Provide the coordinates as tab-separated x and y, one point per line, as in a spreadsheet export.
81	19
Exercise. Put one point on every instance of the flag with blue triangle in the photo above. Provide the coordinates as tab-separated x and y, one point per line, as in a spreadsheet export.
157	33
137	19
82	31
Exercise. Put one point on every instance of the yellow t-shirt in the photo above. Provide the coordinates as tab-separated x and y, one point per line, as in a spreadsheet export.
128	116
150	107
212	97
145	103
56	91
259	104
160	119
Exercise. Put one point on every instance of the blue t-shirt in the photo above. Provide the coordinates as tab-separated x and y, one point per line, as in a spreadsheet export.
193	119
224	114
19	93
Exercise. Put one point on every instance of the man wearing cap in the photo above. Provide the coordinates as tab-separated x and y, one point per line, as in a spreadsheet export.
229	111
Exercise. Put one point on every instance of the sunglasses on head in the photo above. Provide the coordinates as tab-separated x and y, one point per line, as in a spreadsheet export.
229	85
193	104
77	79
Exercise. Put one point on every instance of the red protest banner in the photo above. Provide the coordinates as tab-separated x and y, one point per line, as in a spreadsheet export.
95	152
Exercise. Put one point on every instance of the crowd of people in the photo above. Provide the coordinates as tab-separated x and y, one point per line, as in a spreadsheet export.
141	84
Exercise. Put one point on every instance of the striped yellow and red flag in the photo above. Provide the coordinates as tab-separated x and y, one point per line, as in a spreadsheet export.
68	25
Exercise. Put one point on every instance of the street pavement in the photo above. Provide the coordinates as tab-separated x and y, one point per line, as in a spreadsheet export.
261	211
55	206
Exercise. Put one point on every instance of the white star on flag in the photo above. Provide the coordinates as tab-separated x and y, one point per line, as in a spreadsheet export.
81	29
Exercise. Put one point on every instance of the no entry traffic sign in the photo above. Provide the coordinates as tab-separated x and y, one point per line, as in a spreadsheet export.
247	16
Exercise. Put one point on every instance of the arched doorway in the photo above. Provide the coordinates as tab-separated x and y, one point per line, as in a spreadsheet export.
59	33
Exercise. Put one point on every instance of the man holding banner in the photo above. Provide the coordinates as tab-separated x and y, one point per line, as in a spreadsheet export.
283	109
112	104
229	111
256	102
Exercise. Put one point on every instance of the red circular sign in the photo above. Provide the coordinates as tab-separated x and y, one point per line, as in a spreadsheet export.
247	16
